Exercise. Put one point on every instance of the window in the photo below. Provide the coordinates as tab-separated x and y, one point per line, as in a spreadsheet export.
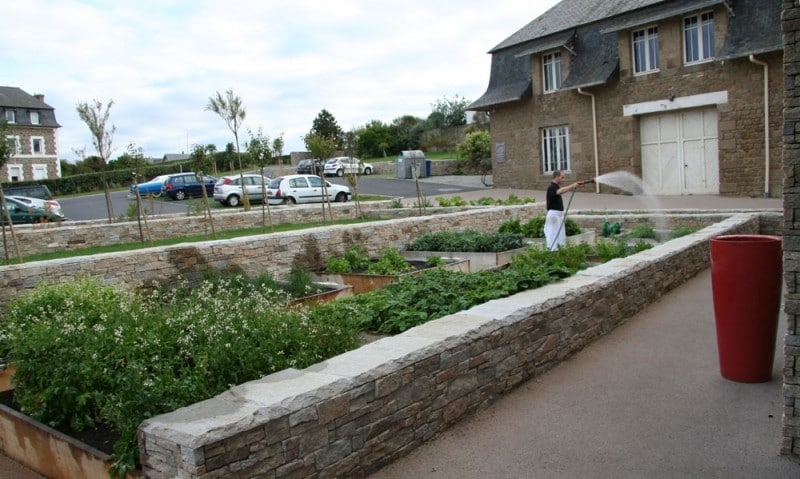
34	118
698	38
11	116
37	145
645	50
15	144
551	71
555	149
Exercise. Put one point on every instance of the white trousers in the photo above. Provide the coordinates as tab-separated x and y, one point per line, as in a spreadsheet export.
554	232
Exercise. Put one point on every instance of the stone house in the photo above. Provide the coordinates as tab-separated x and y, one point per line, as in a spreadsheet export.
686	94
32	133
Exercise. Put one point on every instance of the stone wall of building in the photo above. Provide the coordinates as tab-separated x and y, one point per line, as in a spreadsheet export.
791	234
352	414
740	129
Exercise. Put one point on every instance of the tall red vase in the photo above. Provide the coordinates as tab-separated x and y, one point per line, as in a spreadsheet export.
746	280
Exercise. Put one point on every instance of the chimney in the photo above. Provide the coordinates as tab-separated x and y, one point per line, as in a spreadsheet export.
39	97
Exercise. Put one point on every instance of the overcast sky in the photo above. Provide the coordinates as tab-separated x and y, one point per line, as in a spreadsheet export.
161	60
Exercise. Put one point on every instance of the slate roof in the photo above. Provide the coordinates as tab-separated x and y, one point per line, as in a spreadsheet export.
13	98
588	28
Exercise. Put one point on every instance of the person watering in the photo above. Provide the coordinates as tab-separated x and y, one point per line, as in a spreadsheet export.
554	233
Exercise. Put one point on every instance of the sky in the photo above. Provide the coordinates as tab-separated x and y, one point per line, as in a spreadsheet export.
160	61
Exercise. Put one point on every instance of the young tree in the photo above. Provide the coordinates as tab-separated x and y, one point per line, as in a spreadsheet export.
277	148
449	112
321	147
95	116
6	152
259	150
325	126
230	109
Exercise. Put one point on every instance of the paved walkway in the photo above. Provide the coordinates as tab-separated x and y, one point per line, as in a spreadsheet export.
646	401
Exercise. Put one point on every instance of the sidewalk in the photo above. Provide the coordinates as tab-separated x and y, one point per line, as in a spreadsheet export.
645	401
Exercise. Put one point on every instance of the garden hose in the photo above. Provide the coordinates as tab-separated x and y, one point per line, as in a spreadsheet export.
564	217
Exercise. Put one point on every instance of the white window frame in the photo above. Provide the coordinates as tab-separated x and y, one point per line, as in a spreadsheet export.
698	38
15	168
39	171
645	50
43	149
555	149
34	115
551	72
17	147
11	116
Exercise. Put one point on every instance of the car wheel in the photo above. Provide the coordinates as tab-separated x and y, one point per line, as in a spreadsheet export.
233	200
180	195
341	198
340	172
157	194
367	171
291	201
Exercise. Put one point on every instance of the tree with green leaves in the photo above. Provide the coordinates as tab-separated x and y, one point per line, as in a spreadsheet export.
448	112
374	139
325	126
259	149
6	152
476	149
277	148
321	147
96	116
406	131
230	109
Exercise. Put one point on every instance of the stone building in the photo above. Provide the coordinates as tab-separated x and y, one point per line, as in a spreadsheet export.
32	129
676	92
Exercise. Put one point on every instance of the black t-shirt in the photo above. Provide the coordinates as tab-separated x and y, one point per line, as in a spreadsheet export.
554	201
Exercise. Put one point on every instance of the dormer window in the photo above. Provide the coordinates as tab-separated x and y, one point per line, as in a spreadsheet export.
645	50
698	38
11	116
551	71
34	118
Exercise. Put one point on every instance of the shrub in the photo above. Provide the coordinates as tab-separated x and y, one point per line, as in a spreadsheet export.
643	231
467	241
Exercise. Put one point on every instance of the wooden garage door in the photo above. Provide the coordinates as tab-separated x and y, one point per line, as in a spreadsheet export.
680	152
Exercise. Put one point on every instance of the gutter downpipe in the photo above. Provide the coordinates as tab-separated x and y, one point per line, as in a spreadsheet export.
594	134
764	64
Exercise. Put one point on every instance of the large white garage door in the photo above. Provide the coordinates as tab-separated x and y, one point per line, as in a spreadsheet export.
680	152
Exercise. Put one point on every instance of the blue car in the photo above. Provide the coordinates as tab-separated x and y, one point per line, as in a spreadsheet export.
152	187
188	185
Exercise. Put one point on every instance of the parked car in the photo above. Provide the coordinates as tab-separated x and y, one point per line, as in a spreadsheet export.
50	205
228	189
22	212
188	185
344	164
310	167
31	191
148	188
304	189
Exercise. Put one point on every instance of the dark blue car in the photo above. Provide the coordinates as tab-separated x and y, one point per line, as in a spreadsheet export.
188	185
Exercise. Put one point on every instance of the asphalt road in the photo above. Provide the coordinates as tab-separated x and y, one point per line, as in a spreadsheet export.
93	207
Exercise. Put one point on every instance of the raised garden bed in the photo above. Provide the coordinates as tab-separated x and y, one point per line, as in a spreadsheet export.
476	261
362	282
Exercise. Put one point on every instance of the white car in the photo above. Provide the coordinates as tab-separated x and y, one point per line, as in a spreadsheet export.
294	189
228	189
341	165
52	206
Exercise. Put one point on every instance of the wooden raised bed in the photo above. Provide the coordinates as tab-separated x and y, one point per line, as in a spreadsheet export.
362	283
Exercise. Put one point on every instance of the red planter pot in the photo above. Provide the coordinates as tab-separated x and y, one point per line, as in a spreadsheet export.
746	280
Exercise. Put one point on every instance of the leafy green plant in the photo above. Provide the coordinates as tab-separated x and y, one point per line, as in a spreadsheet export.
534	228
396	203
511	226
607	250
452	201
679	231
467	241
642	231
87	353
390	262
434	261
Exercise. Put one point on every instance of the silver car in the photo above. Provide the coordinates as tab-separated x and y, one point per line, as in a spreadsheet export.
228	189
295	189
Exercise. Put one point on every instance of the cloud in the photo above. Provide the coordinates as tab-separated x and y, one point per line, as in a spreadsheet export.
160	61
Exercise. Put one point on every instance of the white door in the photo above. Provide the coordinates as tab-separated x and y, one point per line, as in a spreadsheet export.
680	152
